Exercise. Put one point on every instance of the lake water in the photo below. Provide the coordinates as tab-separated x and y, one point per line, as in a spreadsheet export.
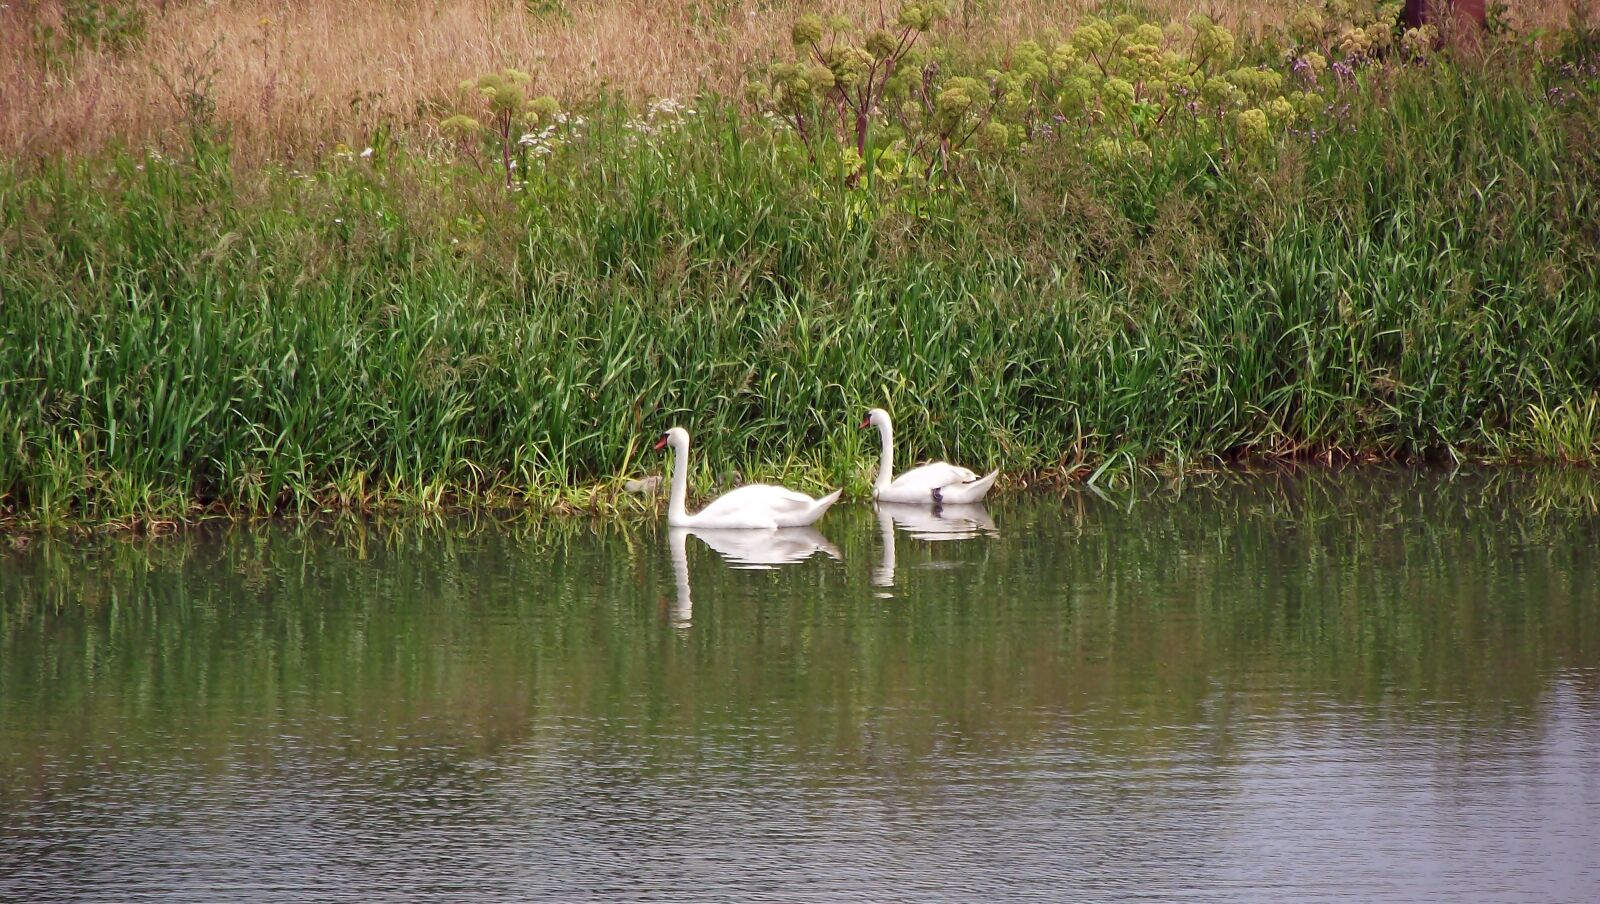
1374	685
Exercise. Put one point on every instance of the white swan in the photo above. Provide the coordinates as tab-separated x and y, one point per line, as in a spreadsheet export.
758	506
932	484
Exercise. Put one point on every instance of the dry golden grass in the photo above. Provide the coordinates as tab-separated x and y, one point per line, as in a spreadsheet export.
289	77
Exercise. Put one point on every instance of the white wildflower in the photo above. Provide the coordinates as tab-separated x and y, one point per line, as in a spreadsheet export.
665	106
366	153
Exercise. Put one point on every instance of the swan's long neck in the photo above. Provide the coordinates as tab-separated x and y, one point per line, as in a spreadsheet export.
886	465
680	483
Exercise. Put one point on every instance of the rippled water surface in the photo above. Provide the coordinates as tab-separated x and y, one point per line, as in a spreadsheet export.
1375	685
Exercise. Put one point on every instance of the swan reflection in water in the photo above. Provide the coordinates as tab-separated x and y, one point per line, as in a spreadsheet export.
943	522
743	549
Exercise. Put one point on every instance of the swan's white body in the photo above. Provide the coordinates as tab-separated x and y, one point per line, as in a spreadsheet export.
758	506
937	483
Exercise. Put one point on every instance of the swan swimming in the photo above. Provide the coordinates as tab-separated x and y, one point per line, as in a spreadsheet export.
937	483
758	506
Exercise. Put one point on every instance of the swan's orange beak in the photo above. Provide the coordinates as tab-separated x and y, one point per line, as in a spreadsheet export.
866	423
661	443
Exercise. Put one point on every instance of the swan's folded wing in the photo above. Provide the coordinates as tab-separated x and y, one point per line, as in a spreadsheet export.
933	476
758	496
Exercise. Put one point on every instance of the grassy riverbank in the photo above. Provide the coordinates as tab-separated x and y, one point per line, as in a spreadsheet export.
1411	270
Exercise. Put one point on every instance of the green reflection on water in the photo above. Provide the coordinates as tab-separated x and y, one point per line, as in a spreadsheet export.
1129	622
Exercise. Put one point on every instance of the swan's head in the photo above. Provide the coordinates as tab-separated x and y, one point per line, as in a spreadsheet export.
677	438
877	417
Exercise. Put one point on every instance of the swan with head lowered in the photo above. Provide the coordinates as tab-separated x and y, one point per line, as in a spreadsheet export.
758	506
937	483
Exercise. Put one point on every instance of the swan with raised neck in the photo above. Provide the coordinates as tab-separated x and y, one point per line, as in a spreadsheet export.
935	483
757	506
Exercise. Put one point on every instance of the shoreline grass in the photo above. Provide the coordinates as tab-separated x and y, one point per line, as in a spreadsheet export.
1413	274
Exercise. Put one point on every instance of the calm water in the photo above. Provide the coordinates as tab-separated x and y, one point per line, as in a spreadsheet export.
1371	686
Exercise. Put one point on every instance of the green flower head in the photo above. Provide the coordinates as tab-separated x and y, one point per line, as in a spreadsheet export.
1419	42
543	107
1147	34
848	64
459	126
1117	95
1064	58
1281	111
1252	126
1212	42
881	44
1306	25
1092	36
921	16
807	30
993	136
1075	95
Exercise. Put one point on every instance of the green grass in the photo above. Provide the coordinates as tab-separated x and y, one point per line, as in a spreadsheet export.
184	335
